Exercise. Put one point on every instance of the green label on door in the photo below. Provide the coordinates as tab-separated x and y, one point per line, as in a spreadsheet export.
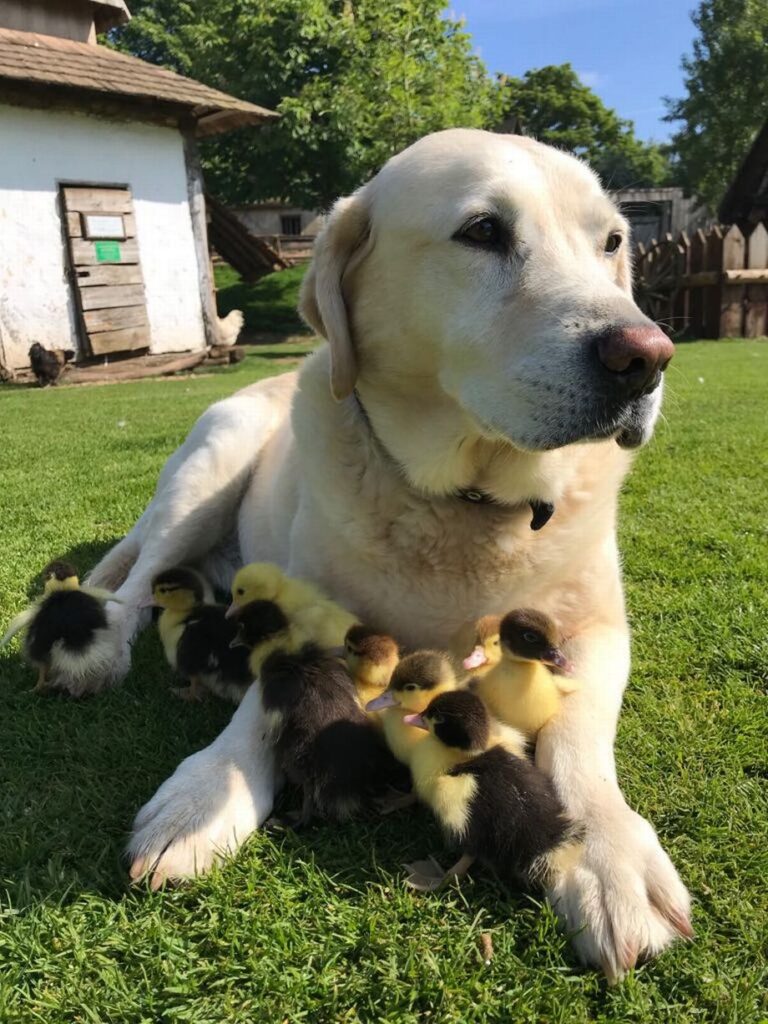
107	252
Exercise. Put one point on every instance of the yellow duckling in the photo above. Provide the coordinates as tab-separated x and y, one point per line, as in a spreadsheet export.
67	629
520	690
417	679
321	620
371	659
478	645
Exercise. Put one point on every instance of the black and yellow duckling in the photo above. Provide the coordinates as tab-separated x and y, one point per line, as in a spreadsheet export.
197	638
371	659
495	807
321	620
324	742
67	629
521	690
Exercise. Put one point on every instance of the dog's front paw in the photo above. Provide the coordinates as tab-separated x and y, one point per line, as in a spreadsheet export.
204	811
622	900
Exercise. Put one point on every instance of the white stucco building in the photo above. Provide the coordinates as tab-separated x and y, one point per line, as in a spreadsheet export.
103	245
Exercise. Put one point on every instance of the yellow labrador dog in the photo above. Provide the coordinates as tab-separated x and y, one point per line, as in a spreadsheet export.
489	375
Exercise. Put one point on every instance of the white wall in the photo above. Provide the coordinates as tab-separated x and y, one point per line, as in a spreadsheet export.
266	220
39	149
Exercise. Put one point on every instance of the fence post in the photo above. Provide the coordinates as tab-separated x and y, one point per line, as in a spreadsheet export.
696	263
713	260
757	294
732	295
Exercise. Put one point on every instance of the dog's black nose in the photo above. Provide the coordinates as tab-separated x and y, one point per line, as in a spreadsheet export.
634	357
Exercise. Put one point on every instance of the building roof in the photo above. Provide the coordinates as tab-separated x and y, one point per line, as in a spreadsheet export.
109	14
746	200
64	67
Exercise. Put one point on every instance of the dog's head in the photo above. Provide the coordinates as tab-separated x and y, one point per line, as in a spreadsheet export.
498	267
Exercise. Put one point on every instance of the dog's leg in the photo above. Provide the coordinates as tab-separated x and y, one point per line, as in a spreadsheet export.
622	899
210	805
195	507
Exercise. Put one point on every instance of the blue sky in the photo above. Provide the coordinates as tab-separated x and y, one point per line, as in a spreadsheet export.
628	51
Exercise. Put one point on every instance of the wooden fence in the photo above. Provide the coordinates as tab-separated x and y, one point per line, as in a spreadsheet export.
711	285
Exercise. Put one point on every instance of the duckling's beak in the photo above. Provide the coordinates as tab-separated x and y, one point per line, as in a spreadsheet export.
384	700
477	658
416	720
238	641
556	659
232	611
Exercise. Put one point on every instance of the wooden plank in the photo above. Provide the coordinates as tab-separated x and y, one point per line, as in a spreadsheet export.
199	218
732	295
756	314
97	320
713	260
681	298
97	200
107	297
84	253
126	340
696	263
109	273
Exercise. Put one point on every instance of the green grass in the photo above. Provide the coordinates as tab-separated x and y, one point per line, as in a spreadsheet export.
268	304
318	927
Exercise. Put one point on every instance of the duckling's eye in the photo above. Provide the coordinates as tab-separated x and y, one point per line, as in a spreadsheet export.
410	687
496	642
240	592
613	242
437	719
531	638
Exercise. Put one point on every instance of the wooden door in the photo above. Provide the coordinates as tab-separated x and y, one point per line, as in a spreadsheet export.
105	269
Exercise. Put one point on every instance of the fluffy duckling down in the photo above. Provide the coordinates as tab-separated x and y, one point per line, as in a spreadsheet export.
67	632
495	807
197	638
324	743
320	620
371	659
521	690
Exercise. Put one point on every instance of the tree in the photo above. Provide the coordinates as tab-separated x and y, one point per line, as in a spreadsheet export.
553	105
727	95
354	82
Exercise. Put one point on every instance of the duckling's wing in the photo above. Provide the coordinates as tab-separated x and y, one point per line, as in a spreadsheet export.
100	595
22	619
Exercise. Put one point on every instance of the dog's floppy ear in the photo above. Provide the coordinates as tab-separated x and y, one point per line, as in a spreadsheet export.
340	245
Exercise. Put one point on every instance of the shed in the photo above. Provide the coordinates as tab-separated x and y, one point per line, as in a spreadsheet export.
746	201
102	202
656	212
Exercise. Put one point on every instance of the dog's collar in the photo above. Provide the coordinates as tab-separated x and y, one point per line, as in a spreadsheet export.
542	510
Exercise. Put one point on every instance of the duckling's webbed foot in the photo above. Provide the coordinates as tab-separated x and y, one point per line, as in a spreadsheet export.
428	876
394	800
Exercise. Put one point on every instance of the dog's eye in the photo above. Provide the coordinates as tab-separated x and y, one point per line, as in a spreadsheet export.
485	231
613	241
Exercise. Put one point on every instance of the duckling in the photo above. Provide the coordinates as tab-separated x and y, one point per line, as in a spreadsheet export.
324	742
67	628
263	628
319	618
497	808
478	646
520	690
197	638
417	679
371	659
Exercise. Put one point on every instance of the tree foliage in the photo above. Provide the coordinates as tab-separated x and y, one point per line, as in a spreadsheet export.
726	78
354	80
553	105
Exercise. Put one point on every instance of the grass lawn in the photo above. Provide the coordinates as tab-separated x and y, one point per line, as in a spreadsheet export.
268	304
318	927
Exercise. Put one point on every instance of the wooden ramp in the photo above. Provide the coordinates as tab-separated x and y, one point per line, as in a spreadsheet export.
251	257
